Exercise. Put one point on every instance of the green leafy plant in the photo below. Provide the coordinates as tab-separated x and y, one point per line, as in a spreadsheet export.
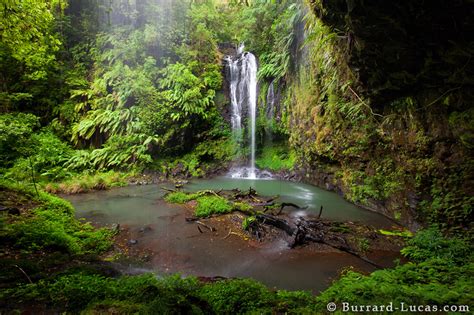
247	222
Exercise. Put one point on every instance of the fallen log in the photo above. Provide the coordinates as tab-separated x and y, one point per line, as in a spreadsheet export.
191	219
273	198
251	193
310	231
276	222
303	235
346	249
263	204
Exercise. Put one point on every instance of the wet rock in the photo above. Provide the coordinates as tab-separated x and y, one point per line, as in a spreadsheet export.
115	228
145	229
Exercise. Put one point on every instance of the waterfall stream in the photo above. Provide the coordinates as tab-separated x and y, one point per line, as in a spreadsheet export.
270	110
243	95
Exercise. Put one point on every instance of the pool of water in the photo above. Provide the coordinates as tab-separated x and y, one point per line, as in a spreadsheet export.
180	247
303	195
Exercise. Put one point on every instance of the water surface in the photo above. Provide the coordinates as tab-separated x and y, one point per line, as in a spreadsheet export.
180	247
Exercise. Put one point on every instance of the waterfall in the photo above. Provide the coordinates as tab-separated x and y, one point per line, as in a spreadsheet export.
250	64
243	95
270	109
236	118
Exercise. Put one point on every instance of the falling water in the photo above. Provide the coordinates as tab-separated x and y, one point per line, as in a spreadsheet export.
243	92
271	101
270	108
250	63
236	118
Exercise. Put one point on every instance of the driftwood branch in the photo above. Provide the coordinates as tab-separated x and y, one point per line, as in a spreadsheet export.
309	231
276	222
210	228
229	234
24	273
320	212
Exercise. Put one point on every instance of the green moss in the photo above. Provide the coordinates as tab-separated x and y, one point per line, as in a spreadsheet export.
276	158
208	205
242	206
404	233
363	244
146	294
178	197
51	226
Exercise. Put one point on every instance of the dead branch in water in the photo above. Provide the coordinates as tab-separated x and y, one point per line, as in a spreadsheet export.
229	234
169	190
310	231
206	226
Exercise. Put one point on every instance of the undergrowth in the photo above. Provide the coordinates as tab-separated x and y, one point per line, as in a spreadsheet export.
440	272
50	226
276	158
82	183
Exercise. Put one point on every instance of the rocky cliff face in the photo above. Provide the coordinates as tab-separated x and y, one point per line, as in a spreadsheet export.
384	113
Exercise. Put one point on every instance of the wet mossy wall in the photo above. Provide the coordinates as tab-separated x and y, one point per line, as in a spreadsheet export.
384	111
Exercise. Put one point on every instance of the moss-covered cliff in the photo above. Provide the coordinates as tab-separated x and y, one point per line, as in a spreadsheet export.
383	110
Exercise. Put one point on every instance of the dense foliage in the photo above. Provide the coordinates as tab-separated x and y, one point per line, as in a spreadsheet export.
93	91
48	225
121	91
440	272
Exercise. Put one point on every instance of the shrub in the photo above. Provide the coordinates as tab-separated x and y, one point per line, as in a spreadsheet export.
431	243
441	273
15	133
47	154
237	296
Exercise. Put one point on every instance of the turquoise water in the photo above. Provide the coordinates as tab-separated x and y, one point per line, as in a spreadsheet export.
180	247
